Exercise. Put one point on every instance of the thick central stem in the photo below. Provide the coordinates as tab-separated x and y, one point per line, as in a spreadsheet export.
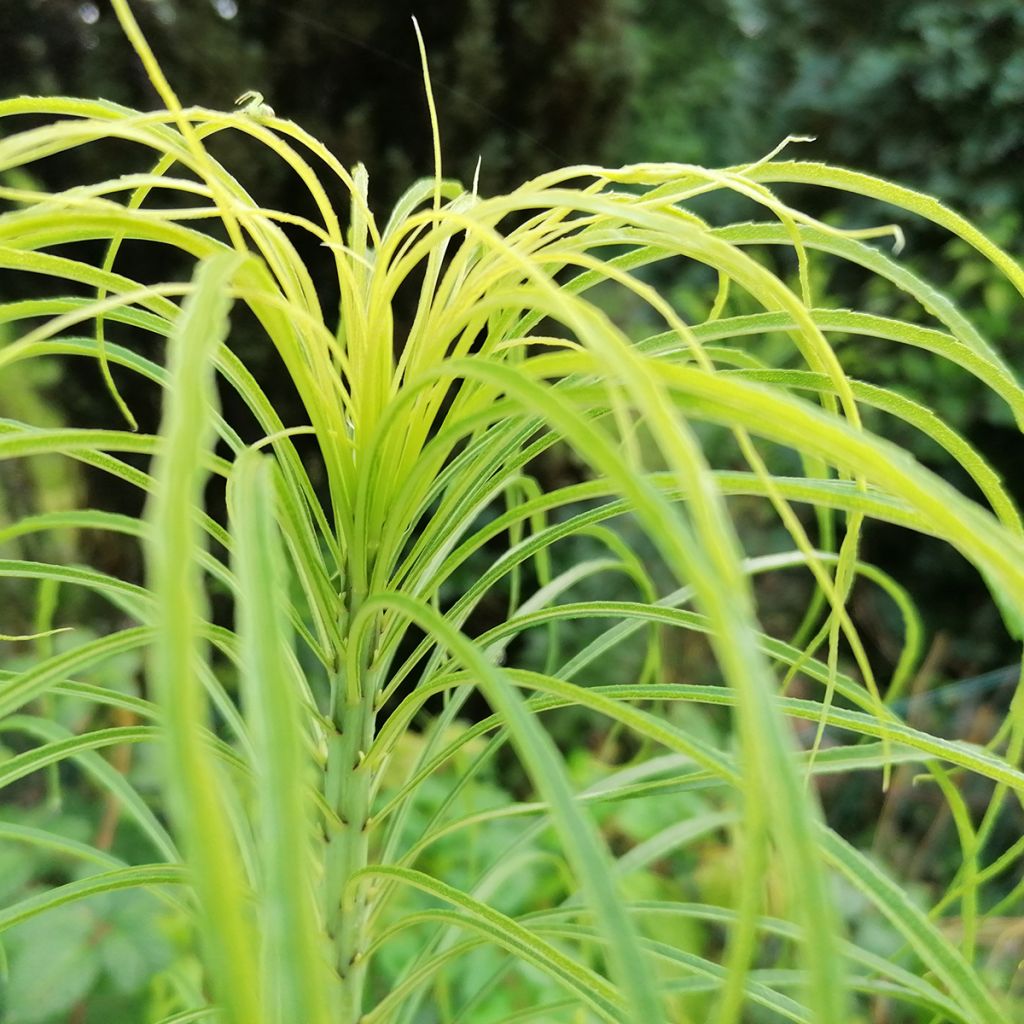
346	909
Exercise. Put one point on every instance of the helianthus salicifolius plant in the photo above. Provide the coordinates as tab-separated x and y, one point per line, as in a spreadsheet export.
306	739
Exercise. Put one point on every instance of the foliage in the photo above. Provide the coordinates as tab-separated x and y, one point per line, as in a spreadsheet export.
331	839
928	93
924	93
527	85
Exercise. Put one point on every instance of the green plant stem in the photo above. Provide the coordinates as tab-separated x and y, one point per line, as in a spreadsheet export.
348	793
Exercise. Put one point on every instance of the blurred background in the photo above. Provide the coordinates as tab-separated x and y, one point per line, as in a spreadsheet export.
929	93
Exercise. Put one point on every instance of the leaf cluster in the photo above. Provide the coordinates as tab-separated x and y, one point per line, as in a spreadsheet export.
307	805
